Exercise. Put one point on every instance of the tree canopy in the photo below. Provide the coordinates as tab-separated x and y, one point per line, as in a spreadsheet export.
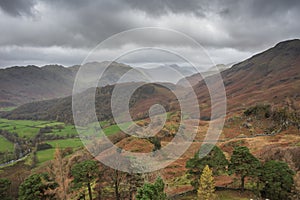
4	186
278	180
84	174
153	191
215	159
244	164
37	186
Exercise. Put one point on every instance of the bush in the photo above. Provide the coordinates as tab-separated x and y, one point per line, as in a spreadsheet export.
43	146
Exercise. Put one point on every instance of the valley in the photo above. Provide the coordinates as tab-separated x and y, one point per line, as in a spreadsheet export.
262	124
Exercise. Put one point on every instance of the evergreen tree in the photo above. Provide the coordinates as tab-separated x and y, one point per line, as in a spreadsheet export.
85	173
4	186
37	186
278	180
244	164
215	159
206	185
152	191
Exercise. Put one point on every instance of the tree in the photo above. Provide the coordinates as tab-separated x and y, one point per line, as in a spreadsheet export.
135	180
152	191
206	185
85	174
244	164
215	159
37	186
278	180
4	186
58	170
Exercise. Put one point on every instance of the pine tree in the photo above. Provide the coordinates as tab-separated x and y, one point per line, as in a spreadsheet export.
37	186
244	164
153	191
278	180
85	173
206	185
215	159
4	188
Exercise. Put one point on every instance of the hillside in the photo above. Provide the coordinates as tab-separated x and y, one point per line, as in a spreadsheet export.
19	85
269	77
263	115
61	109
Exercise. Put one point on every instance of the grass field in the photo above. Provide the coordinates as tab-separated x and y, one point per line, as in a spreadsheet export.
76	142
48	154
45	155
29	128
222	195
6	145
8	108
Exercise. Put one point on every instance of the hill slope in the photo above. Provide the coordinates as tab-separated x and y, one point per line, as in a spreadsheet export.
272	76
61	109
19	85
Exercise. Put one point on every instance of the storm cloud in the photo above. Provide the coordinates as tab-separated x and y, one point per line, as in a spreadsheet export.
44	31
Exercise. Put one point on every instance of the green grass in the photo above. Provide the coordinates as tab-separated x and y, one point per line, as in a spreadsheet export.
45	155
222	195
48	154
115	128
29	128
230	195
8	108
68	130
5	145
76	142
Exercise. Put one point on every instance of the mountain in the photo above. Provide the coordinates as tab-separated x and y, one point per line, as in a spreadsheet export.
272	76
162	73
61	109
269	77
196	77
19	85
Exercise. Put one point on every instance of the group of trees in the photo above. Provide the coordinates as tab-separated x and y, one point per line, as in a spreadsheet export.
84	178
274	179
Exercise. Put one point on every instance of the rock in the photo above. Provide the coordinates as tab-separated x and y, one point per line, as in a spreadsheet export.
247	125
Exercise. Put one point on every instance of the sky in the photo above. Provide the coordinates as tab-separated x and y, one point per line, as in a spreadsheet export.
39	32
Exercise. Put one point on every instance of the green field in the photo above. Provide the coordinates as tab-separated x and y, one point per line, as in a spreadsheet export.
222	195
76	142
5	145
29	128
48	154
8	108
45	155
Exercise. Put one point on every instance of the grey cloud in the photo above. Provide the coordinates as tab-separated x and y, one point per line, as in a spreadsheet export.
162	7
237	27
18	7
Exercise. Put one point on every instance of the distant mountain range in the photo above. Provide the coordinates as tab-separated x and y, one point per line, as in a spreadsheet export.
20	85
269	77
60	109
